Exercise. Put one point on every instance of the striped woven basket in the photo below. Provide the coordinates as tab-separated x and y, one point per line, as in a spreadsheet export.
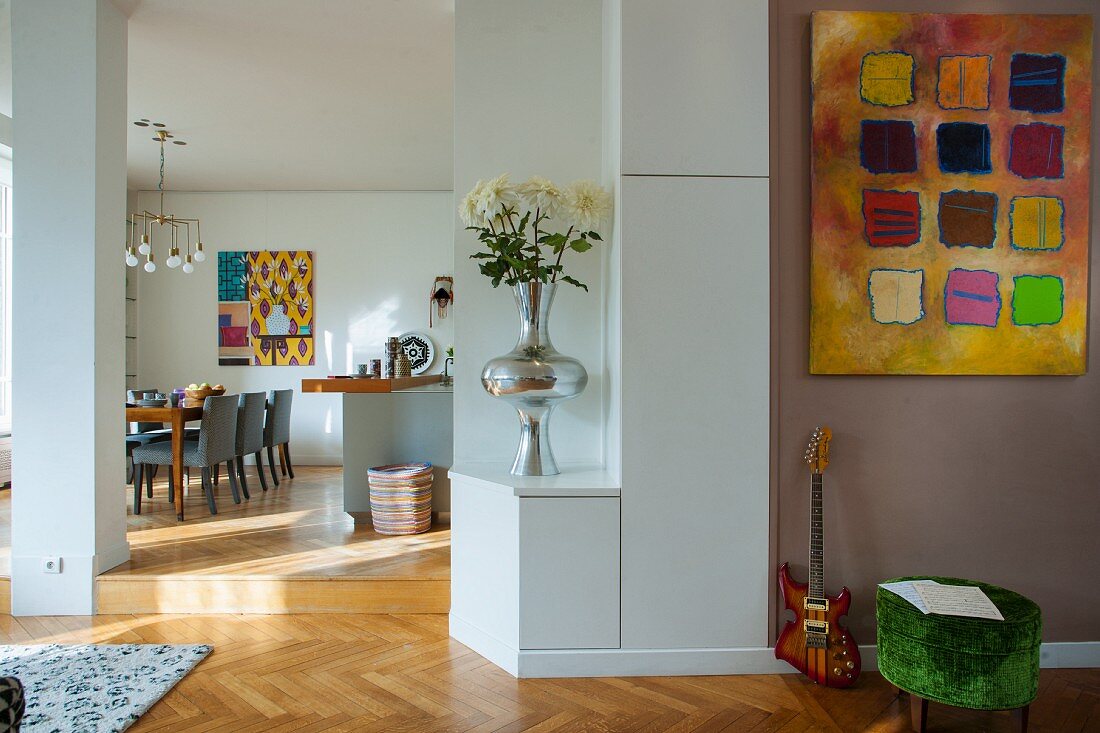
401	498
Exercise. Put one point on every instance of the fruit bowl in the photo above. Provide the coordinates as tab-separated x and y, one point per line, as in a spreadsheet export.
203	392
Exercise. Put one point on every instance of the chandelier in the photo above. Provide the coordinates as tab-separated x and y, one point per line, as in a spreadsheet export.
147	219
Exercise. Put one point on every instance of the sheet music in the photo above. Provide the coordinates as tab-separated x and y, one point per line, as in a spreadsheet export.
906	590
958	600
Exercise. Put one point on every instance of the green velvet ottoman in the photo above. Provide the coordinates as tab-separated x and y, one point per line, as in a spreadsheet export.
965	662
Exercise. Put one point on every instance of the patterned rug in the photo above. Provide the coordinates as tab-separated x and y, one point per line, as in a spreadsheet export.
90	688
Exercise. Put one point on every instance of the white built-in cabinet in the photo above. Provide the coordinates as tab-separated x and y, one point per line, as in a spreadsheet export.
694	205
534	561
695	87
658	565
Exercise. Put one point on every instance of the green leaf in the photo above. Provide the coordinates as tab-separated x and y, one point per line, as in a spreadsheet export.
571	281
594	235
580	245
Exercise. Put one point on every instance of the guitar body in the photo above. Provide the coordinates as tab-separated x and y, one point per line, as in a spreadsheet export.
830	658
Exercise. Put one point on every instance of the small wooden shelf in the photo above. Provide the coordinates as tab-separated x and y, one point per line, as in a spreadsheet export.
333	384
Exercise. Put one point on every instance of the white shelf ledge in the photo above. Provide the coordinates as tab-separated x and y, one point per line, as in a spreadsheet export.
573	481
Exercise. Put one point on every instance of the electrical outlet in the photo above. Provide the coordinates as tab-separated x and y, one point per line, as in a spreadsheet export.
51	564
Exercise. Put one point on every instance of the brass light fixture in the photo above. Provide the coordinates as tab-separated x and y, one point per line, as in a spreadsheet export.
144	245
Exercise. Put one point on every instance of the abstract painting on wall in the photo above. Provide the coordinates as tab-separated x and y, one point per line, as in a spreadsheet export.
950	193
265	308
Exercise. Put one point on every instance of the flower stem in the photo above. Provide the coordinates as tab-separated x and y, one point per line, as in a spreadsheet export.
538	249
554	277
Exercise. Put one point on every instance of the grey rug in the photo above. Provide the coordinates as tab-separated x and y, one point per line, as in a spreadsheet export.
93	688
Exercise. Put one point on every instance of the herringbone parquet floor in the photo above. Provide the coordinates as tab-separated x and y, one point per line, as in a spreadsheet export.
296	530
398	674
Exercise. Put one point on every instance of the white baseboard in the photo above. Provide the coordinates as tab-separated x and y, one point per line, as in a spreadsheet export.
1069	654
112	557
487	645
305	459
529	663
310	459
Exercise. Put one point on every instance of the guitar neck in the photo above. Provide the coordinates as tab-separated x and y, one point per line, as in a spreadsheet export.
817	560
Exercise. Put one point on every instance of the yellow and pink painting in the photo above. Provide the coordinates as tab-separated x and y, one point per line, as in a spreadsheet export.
950	188
265	308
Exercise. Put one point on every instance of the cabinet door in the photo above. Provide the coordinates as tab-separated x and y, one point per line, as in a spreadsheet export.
569	573
695	434
695	87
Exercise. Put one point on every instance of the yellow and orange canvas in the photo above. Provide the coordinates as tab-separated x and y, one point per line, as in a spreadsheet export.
950	193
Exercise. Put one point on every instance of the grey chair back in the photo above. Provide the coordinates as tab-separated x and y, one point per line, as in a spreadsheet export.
277	427
133	395
218	430
250	423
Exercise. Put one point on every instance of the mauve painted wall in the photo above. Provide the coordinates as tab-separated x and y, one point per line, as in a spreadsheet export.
993	478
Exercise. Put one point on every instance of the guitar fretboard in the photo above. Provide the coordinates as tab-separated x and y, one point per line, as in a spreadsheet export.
817	569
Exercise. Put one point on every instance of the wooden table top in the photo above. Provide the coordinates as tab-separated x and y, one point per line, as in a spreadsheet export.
163	414
347	384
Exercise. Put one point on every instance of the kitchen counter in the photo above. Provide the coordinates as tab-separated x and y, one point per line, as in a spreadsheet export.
393	421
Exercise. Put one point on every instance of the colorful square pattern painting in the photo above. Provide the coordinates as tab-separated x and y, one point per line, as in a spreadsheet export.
950	186
265	308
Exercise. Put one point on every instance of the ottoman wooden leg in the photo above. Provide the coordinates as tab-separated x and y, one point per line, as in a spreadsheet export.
918	712
1019	718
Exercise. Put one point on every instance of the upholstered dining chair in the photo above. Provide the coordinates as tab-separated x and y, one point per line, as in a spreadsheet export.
216	445
142	433
250	436
277	431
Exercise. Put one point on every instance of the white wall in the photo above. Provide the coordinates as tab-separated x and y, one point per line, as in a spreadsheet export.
528	100
695	324
375	256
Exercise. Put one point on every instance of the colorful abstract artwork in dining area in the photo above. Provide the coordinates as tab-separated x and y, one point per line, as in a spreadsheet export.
265	308
950	193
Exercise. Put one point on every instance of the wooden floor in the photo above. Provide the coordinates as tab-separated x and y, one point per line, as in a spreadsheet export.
290	549
373	673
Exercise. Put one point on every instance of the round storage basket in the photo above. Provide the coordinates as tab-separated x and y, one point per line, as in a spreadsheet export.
401	498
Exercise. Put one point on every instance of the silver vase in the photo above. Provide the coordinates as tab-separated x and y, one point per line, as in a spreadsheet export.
534	378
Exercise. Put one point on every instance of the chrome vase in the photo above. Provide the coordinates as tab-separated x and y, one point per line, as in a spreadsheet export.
534	378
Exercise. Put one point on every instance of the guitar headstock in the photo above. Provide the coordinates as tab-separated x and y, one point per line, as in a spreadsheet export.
817	452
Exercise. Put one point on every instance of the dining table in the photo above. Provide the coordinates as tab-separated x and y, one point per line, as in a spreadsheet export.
177	417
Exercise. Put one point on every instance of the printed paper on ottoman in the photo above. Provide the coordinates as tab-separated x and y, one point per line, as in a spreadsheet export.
891	218
1037	222
886	79
968	218
1037	83
963	147
971	298
896	296
1037	300
888	146
963	82
1036	151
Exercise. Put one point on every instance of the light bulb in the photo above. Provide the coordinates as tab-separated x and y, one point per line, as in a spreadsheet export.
150	266
188	268
173	261
143	248
131	260
199	255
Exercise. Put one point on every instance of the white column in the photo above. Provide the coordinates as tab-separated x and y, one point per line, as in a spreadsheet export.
69	93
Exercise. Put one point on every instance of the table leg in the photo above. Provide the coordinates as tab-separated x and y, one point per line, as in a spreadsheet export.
177	460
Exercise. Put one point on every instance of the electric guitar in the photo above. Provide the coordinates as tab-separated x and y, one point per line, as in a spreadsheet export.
815	643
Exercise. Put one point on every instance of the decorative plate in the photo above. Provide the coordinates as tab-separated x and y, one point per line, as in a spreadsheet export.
420	350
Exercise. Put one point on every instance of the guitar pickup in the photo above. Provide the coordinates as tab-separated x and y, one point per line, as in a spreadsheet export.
815	627
816	604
